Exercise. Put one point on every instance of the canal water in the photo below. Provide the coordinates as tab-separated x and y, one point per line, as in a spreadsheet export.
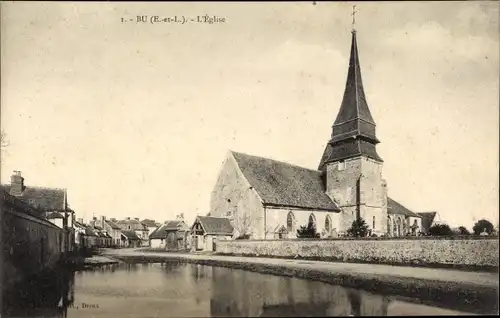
176	289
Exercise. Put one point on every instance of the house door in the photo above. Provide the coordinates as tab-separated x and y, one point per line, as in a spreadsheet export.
199	242
209	241
171	241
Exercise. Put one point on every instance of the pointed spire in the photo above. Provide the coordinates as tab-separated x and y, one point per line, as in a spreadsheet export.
353	132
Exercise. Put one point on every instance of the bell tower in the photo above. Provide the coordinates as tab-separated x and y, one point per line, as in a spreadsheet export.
351	166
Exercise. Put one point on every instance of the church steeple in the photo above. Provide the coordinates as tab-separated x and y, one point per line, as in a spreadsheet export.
353	132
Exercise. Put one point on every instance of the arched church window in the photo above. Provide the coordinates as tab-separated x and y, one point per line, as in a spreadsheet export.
328	224
312	220
373	227
289	222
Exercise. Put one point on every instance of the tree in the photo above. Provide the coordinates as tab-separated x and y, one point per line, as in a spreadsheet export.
307	231
463	231
358	228
481	226
440	230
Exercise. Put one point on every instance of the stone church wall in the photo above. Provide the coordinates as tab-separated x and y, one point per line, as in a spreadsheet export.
342	188
234	198
276	217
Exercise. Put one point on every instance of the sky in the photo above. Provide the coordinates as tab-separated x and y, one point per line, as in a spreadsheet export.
135	119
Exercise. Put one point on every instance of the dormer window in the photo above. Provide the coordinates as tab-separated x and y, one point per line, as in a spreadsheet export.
341	165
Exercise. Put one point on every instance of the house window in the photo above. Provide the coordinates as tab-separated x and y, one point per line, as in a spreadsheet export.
341	165
129	227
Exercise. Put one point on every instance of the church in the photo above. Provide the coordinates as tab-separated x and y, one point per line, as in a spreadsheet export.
269	199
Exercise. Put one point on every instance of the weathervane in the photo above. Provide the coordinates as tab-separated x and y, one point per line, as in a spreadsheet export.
354	18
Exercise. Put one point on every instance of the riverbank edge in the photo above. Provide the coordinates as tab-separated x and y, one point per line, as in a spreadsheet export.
462	296
414	263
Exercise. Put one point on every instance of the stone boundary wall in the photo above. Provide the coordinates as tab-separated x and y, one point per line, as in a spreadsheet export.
473	252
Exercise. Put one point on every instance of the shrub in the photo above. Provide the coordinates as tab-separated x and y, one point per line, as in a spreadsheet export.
440	230
243	237
308	231
463	231
483	225
359	228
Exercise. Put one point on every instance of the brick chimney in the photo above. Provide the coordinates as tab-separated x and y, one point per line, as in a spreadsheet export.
16	184
127	218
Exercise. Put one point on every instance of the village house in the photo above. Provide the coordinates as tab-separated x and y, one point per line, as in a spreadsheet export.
151	225
267	199
171	235
428	220
50	203
134	225
110	228
207	230
129	238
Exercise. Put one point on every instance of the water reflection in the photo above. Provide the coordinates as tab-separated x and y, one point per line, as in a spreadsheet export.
48	295
175	289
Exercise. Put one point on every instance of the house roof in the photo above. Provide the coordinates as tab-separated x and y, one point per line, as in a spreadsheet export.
283	184
130	235
149	223
427	219
168	226
54	215
133	223
215	225
112	225
394	207
44	199
89	231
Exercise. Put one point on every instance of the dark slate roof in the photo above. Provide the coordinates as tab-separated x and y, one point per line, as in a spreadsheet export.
112	225
168	226
133	223
282	184
148	223
89	231
130	235
216	225
427	219
394	207
44	199
353	132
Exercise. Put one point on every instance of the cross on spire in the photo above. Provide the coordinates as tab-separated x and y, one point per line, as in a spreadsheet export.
354	17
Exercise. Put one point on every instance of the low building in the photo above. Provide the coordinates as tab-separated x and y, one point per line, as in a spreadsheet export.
140	230
151	225
130	239
171	235
428	220
29	243
111	229
47	202
206	230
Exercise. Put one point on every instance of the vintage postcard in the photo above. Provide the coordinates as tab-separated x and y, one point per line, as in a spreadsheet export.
249	159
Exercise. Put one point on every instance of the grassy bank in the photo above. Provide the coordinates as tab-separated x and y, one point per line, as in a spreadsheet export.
460	296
